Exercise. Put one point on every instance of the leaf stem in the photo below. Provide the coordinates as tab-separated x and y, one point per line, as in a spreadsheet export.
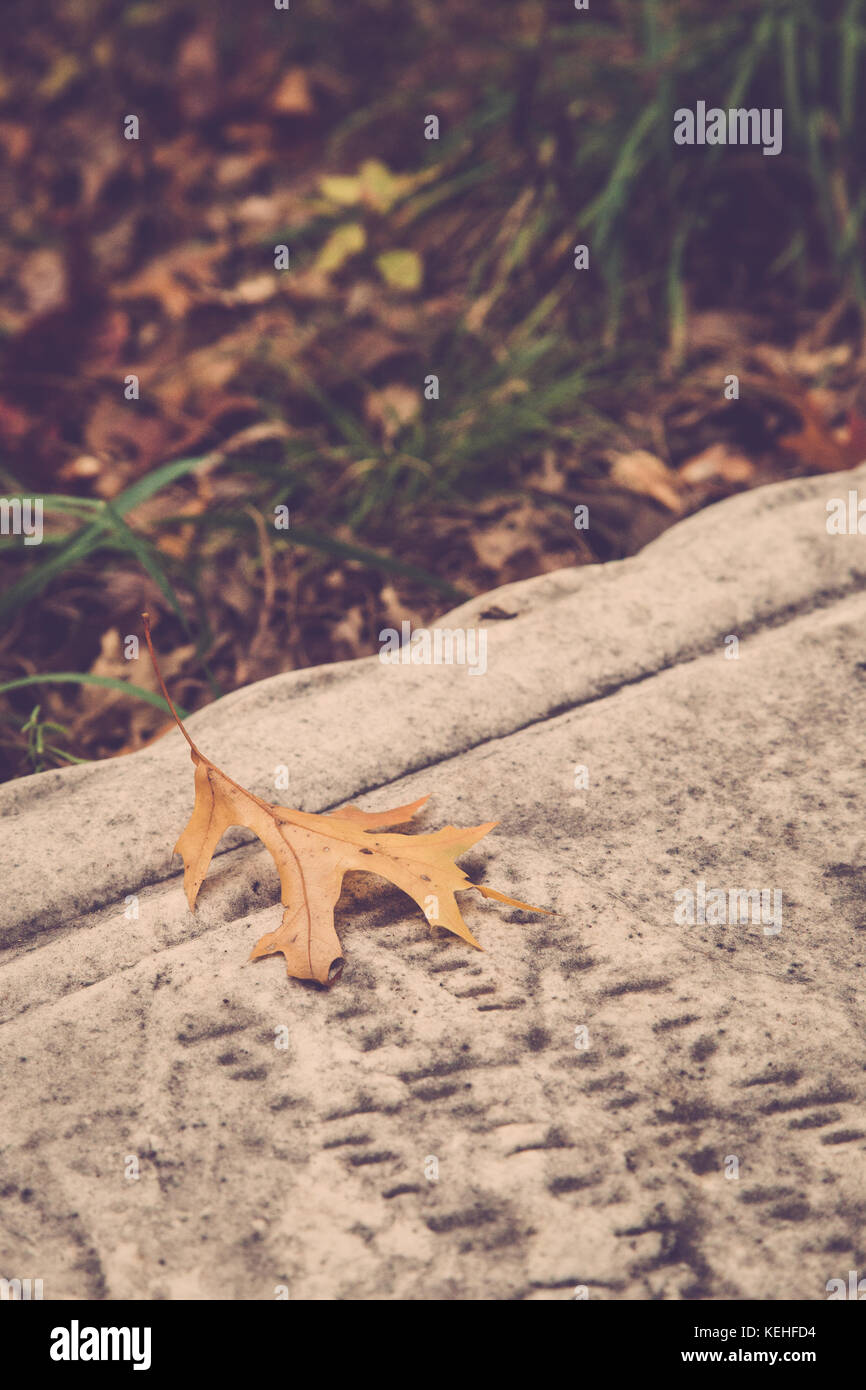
145	618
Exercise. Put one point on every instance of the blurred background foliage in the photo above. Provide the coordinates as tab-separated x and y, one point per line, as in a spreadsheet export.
304	388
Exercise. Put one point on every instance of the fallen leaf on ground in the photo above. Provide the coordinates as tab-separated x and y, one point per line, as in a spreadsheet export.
313	853
178	279
342	244
718	461
818	445
402	270
392	408
344	189
292	97
641	471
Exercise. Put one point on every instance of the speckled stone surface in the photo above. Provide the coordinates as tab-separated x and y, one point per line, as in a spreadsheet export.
608	1097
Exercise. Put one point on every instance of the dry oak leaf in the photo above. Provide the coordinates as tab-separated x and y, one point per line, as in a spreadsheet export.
314	852
819	446
641	471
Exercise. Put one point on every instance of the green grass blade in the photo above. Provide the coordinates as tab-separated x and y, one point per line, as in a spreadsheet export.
84	678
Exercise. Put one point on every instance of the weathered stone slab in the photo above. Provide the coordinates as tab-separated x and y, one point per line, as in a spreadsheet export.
710	1048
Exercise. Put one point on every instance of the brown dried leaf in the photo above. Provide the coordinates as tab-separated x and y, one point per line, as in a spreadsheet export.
641	471
819	446
392	408
717	462
313	853
292	97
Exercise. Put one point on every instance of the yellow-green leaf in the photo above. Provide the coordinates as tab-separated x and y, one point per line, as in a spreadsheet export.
343	243
403	270
341	188
381	187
